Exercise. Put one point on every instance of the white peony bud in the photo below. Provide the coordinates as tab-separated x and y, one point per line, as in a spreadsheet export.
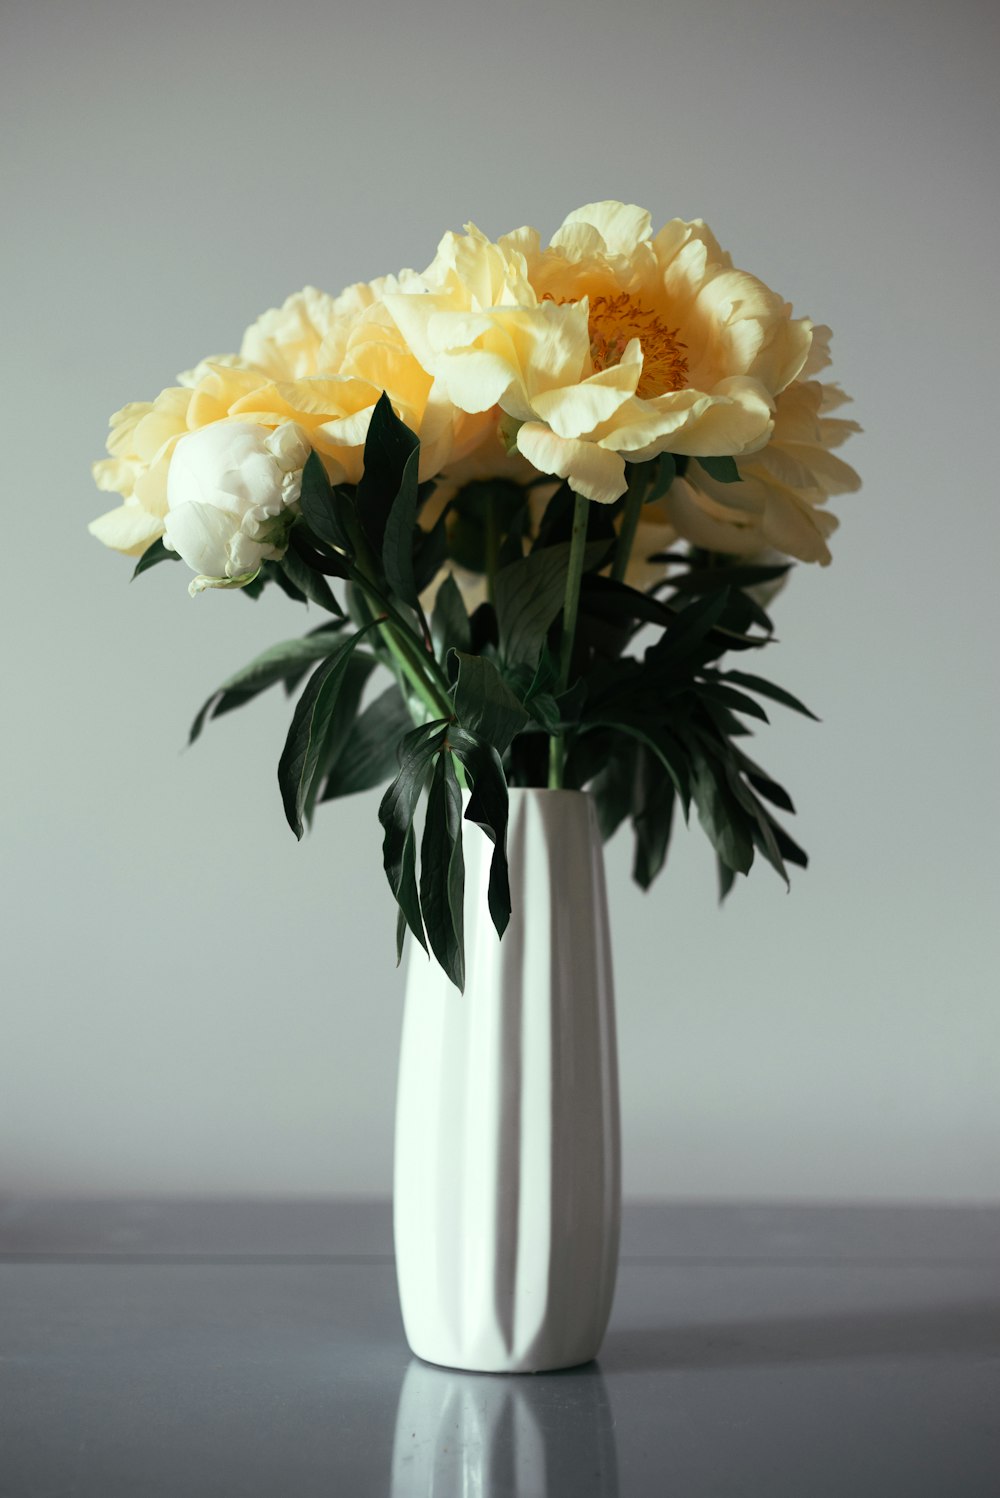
228	490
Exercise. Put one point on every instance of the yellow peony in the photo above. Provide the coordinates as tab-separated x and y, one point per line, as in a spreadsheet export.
612	344
319	361
141	443
779	503
330	358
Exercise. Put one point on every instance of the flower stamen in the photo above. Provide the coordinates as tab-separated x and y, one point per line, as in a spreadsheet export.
615	321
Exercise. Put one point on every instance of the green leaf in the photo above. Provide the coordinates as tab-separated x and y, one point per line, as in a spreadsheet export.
487	521
407	897
663	745
276	664
607	598
154	553
326	511
689	628
707	579
430	552
302	755
318	554
449	619
768	689
388	447
726	824
739	702
442	871
557	518
762	782
742	612
396	812
726	878
790	850
485	704
488	809
544	709
666	472
312	584
760	823
612	787
652	818
276	573
529	598
589	754
401	534
370	752
359	668
722	470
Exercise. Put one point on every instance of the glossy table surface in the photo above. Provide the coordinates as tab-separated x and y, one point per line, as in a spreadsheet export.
252	1348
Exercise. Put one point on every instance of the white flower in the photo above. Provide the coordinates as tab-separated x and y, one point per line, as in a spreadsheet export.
228	491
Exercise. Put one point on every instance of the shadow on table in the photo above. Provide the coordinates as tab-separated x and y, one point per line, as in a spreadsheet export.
464	1433
971	1327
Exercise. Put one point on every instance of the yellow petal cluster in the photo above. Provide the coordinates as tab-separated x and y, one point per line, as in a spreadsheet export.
607	346
780	501
611	344
319	361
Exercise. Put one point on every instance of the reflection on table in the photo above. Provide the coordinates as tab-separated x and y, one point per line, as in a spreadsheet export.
471	1435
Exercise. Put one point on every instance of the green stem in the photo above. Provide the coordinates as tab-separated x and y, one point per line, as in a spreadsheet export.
571	609
574	574
557	762
412	661
637	481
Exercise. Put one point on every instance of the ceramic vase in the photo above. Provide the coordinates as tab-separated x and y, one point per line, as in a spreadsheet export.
507	1194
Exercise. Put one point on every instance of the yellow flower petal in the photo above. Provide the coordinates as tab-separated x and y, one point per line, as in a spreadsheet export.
573	410
621	225
592	471
128	529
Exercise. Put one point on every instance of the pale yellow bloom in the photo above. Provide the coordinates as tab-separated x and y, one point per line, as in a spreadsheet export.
340	354
780	500
141	444
610	345
321	362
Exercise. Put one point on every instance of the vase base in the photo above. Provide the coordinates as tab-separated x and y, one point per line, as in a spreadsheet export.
486	1366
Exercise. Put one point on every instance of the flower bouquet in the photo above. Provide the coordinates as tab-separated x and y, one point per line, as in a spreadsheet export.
542	497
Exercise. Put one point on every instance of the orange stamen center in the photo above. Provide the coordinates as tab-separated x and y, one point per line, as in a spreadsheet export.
615	321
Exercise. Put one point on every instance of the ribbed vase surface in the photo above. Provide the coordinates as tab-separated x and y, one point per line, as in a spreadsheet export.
507	1199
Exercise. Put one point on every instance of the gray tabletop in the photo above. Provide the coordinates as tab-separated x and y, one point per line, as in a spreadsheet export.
202	1348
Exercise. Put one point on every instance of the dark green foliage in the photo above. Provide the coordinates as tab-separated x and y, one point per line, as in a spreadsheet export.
312	723
308	582
723	470
442	871
646	715
529	597
488	810
450	626
396	812
279	663
400	528
154	553
370	753
485	704
388	448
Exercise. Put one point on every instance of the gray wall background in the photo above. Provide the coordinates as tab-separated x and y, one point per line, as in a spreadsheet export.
193	1003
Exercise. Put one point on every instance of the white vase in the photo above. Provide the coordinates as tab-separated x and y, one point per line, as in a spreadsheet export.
507	1199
